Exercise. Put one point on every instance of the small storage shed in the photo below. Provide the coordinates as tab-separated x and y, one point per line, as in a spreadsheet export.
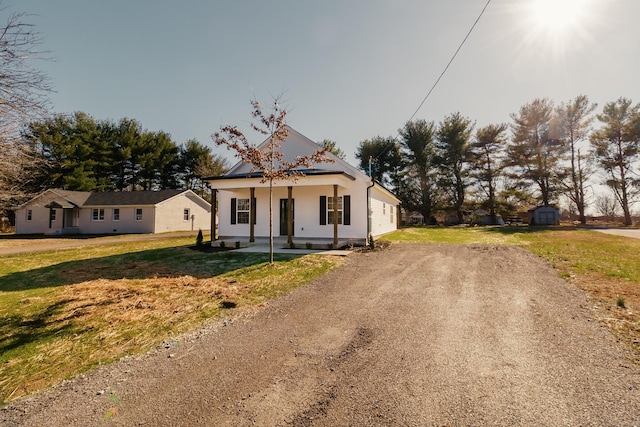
544	215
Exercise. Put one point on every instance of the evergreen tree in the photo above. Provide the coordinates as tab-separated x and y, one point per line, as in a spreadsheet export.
73	148
333	148
379	157
196	162
534	155
617	149
452	144
486	158
418	188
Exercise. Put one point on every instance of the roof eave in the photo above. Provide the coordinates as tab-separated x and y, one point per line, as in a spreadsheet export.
258	175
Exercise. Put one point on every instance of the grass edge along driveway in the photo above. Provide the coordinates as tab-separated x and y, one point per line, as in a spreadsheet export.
63	312
606	267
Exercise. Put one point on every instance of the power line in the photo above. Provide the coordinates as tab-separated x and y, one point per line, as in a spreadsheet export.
451	60
444	71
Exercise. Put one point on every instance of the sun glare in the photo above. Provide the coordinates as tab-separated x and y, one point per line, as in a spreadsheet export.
559	16
557	27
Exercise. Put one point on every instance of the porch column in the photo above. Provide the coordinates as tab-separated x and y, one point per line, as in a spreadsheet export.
214	214
289	215
335	215
252	213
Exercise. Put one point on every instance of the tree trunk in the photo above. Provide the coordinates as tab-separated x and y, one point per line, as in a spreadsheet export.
459	199
426	199
271	221
624	198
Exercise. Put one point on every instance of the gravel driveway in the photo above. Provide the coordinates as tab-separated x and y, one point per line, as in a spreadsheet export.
415	335
633	233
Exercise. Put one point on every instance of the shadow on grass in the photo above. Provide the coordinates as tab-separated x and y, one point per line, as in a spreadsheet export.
153	263
22	330
527	229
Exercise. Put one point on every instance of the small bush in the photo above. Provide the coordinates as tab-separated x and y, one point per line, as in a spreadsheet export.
309	245
620	302
371	243
222	244
199	238
237	245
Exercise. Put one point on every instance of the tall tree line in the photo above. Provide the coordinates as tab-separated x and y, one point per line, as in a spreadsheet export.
85	154
546	153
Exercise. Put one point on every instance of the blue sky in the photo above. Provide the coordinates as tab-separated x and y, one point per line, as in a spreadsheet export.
348	70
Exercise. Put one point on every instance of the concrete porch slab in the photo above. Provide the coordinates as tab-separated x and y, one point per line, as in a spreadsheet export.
260	248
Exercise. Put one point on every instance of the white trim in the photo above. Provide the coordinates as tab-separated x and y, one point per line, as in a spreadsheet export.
100	216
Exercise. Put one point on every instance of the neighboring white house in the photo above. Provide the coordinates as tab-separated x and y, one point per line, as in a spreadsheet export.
332	201
58	211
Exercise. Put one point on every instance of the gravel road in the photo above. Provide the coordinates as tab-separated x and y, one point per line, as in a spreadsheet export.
415	335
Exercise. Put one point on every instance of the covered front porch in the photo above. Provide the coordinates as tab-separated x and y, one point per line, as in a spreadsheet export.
70	217
302	211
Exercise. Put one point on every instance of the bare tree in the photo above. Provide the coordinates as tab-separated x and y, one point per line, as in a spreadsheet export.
23	97
268	160
607	206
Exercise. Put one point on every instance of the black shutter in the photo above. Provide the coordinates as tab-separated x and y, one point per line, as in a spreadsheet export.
323	210
233	210
346	210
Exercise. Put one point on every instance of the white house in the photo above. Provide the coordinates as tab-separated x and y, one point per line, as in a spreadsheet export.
58	211
333	201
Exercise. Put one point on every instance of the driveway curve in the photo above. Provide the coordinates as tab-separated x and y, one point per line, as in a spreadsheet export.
633	233
415	335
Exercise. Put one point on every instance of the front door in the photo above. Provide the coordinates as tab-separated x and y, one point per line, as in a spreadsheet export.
70	218
284	205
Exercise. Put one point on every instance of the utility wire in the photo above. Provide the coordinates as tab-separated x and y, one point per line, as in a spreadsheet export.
450	61
445	69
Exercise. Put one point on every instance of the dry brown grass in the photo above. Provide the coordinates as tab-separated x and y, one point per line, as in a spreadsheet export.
604	292
102	309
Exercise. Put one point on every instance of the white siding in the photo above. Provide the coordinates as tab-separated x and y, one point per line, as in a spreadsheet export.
383	212
306	194
306	215
170	214
164	217
125	225
39	223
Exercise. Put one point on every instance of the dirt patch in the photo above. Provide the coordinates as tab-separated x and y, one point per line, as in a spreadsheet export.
613	302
